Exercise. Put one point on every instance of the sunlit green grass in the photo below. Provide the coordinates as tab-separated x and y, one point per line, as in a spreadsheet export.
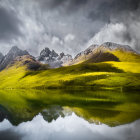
107	75
128	67
125	56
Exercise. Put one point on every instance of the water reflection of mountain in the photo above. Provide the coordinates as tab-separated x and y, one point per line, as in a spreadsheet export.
108	107
4	114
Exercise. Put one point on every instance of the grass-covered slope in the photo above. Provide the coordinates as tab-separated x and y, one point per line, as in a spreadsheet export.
106	52
126	56
105	75
115	55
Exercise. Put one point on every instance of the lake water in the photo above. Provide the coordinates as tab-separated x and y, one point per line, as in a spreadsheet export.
69	115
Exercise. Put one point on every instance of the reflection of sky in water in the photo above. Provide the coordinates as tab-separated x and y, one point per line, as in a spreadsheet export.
68	128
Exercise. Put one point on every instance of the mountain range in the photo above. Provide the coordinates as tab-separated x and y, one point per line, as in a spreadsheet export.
102	53
94	54
108	66
54	59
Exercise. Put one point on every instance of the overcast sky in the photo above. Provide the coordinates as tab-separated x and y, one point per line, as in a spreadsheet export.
68	25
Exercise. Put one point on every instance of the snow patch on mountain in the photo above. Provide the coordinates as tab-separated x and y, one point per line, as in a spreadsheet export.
52	58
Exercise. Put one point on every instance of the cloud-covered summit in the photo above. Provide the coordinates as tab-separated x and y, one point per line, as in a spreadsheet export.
68	25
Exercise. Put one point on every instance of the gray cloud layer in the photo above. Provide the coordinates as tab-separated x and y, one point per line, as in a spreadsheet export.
9	24
68	25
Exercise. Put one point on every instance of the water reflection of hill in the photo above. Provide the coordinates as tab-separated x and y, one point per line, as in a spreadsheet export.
109	107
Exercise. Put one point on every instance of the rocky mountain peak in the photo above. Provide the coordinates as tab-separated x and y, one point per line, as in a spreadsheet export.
48	53
1	57
15	51
54	54
62	54
89	50
45	52
52	58
14	48
113	46
11	55
100	53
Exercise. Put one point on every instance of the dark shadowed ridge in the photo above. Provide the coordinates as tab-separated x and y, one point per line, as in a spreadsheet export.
29	62
1	57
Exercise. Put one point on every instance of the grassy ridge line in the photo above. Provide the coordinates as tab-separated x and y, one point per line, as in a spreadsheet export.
108	75
126	56
101	55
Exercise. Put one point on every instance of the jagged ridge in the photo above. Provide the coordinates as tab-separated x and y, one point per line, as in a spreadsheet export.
107	51
11	55
52	58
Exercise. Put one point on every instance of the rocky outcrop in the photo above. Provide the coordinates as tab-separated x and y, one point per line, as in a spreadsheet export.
82	56
1	57
11	55
113	46
94	53
52	58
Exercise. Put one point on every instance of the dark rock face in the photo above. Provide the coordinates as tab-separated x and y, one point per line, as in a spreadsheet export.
47	56
52	58
1	57
87	51
61	55
11	55
45	52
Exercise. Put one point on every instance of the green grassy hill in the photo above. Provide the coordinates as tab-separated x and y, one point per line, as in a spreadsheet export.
106	75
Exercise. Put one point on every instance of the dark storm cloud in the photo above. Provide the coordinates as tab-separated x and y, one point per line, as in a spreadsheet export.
70	4
97	8
9	24
107	8
9	135
101	11
67	25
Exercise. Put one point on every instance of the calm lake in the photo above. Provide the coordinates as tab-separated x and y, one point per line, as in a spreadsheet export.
69	115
